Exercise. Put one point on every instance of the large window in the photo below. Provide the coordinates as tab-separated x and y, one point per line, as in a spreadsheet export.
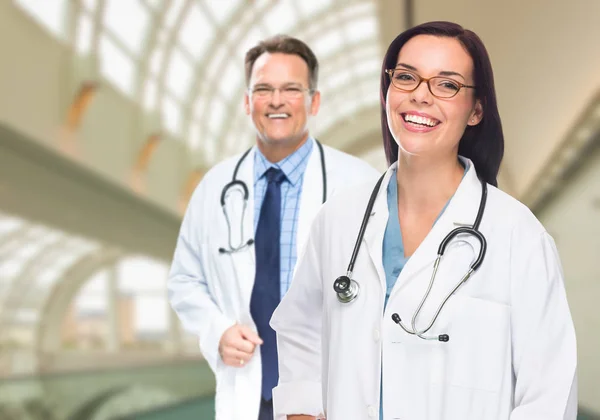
183	59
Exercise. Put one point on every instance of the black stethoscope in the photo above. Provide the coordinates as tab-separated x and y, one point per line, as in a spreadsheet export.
347	289
241	184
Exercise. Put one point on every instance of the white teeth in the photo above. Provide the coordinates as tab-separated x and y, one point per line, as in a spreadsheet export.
278	115
419	120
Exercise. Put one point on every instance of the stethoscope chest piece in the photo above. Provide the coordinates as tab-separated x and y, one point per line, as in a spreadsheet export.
346	289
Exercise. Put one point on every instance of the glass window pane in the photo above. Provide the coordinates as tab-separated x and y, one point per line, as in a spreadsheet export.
173	12
327	43
163	36
215	65
196	32
116	66
156	61
357	10
10	268
347	108
26	252
48	277
221	10
340	78
238	138
260	4
85	32
69	256
209	145
194	136
199	108
155	4
253	37
308	8
151	314
131	270
179	75
90	5
365	52
51	14
82	246
150	93
325	121
233	34
217	114
370	87
92	297
281	18
128	21
359	30
242	134
366	67
25	316
171	113
9	224
231	81
47	236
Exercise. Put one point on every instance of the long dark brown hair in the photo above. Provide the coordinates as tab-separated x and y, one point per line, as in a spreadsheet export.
482	143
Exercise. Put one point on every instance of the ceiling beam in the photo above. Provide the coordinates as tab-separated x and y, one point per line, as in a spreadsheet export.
581	140
43	186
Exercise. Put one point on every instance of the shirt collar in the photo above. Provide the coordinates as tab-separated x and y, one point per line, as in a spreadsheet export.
293	165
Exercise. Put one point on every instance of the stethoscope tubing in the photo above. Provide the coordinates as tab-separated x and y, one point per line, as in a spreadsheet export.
347	289
241	184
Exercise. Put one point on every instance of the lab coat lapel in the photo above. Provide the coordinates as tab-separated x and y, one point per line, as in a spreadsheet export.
312	195
376	227
461	211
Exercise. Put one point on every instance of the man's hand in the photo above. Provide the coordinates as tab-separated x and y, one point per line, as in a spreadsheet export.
237	345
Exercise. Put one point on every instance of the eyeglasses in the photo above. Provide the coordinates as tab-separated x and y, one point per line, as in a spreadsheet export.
287	92
440	87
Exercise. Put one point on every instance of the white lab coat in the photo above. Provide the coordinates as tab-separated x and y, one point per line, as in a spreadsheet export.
512	349
211	291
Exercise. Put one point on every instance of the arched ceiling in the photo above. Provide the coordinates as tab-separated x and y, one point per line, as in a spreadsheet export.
182	60
33	260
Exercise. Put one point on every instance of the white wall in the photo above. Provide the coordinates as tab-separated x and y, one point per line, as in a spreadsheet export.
573	219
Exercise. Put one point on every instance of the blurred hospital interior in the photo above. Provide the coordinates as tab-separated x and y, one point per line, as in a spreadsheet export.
111	112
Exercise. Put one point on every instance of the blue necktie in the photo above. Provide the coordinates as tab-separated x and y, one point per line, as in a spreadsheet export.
266	292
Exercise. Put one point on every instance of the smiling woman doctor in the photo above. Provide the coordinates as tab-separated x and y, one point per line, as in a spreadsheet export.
421	324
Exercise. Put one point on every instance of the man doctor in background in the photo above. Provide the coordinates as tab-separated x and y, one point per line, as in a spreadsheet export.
232	264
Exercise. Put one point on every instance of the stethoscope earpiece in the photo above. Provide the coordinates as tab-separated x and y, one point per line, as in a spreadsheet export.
444	338
239	248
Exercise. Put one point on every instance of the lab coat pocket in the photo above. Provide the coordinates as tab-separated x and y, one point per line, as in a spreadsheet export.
479	348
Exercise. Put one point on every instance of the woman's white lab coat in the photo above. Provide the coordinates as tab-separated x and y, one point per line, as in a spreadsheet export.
512	350
210	291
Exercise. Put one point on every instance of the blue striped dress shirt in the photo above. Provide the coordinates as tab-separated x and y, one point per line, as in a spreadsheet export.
293	166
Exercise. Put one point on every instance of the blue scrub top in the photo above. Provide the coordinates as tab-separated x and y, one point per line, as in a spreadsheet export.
394	259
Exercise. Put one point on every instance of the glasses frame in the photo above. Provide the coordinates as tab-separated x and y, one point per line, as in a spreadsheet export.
420	79
272	90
